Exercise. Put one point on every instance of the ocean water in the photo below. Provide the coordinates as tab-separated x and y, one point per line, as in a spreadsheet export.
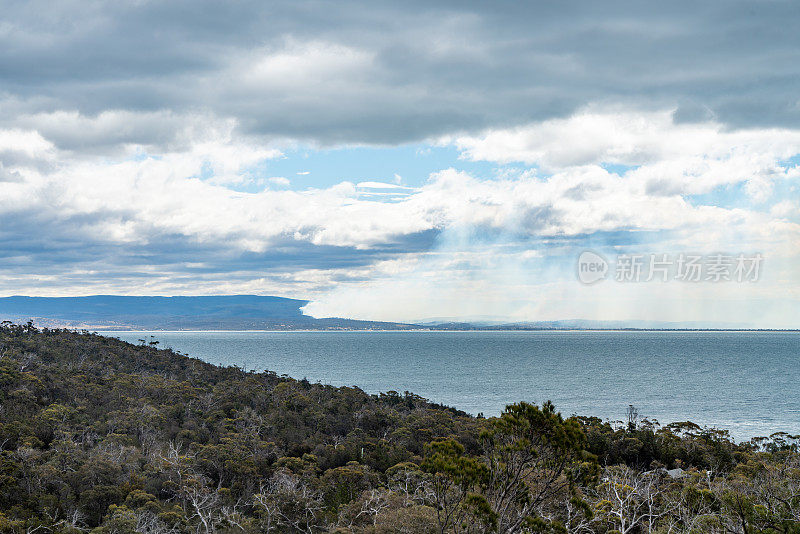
745	382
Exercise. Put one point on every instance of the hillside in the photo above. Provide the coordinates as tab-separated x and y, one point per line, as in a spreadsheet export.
103	436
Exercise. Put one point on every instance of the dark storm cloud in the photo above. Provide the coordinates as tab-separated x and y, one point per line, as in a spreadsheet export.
424	68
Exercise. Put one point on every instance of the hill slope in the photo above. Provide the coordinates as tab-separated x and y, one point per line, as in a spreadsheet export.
103	436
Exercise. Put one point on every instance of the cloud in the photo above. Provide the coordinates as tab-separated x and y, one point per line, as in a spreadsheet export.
665	200
136	141
388	73
785	209
279	181
175	218
666	157
9	176
380	185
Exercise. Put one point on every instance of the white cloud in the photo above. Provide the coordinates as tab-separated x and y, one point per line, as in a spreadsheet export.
492	232
380	185
279	181
576	199
666	157
29	143
785	208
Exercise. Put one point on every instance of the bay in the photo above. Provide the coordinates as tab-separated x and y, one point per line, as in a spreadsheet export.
744	382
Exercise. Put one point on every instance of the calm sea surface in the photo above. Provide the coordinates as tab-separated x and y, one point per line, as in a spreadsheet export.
746	382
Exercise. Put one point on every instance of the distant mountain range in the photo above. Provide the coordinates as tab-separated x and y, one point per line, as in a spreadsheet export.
249	312
228	312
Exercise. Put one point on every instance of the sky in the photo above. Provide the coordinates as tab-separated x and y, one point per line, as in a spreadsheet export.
406	161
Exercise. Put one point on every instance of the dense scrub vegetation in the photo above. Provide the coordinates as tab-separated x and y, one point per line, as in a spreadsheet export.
101	436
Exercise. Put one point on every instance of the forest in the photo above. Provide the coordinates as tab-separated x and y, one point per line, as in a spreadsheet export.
105	437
